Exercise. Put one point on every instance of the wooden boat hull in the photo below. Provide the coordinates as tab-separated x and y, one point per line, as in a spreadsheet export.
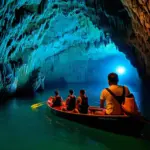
112	123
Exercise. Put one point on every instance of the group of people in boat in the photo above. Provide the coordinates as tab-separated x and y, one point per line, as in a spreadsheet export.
113	97
72	103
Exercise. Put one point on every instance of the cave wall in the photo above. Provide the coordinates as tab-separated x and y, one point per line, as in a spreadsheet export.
139	11
58	34
128	22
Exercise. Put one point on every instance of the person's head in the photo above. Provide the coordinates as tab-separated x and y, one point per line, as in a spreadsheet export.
71	91
113	79
56	93
82	92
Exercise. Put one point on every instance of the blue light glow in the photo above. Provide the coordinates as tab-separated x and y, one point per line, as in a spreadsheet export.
120	70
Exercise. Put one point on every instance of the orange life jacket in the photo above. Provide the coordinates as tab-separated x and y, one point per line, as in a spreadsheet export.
129	105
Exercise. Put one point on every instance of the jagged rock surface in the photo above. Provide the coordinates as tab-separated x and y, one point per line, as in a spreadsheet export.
57	34
129	24
139	11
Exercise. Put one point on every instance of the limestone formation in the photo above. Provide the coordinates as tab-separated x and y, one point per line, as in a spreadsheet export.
53	34
128	21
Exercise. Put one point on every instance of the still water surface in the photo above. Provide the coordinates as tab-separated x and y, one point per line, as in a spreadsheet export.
21	128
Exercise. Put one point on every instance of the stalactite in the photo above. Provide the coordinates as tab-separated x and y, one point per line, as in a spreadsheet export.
42	6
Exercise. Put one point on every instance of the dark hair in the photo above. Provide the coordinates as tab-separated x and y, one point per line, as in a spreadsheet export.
113	78
82	92
71	91
56	92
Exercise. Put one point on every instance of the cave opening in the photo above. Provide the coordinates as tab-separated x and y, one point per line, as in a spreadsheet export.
92	66
119	64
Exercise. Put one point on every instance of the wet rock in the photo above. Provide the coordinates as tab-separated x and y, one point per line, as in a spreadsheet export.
34	31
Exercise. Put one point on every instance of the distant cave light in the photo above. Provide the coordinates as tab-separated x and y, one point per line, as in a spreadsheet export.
120	70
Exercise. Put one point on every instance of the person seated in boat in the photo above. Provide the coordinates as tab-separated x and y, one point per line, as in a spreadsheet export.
57	99
113	106
71	101
82	103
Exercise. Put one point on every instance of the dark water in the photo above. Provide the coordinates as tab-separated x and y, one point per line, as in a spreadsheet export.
21	128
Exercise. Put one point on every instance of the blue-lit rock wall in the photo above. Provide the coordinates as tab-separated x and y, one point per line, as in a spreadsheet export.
56	35
60	38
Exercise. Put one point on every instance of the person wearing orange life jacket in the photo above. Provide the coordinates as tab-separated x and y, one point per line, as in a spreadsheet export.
114	96
71	101
82	102
57	100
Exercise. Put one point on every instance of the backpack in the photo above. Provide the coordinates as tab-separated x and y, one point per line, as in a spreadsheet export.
127	103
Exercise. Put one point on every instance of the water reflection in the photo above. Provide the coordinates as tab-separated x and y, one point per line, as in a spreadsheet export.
80	135
24	128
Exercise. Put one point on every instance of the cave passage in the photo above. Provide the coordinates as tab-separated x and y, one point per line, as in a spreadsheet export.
121	65
69	44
